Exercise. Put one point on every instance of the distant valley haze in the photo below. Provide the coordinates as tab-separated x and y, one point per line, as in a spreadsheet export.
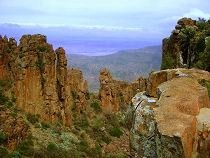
94	28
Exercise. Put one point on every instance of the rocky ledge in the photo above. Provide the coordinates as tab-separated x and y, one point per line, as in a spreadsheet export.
175	123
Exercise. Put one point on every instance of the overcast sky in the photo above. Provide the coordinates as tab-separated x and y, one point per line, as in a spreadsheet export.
147	15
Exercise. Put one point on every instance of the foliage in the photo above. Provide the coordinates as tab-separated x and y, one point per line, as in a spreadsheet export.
40	64
42	48
3	152
45	125
26	147
115	132
3	136
168	62
15	154
82	122
32	118
95	104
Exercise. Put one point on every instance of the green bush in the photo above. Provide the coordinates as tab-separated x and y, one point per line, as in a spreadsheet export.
45	125
3	152
26	147
115	132
52	147
15	154
95	104
3	136
32	118
167	62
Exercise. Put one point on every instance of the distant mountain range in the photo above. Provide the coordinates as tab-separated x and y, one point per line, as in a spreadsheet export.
86	40
125	65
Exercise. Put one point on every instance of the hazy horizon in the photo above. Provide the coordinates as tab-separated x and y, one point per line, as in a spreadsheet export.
95	27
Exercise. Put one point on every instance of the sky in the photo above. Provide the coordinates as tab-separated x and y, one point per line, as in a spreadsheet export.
128	14
154	18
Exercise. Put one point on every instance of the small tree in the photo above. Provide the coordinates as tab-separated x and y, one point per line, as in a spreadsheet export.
186	37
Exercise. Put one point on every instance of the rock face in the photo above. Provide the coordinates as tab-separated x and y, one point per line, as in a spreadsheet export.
171	127
39	77
115	95
79	89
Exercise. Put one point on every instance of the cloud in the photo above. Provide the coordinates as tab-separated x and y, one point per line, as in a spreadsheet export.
195	13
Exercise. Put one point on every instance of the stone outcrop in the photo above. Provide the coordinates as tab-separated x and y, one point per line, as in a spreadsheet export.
173	56
170	125
115	95
79	89
39	76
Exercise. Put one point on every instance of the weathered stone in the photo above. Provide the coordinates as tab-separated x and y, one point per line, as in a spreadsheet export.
115	95
170	128
39	78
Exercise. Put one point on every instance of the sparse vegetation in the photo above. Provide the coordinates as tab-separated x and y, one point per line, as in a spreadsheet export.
3	136
40	64
116	132
15	154
32	118
95	104
26	147
3	152
45	125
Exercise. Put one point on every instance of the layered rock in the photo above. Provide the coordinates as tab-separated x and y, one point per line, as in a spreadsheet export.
115	95
171	127
39	77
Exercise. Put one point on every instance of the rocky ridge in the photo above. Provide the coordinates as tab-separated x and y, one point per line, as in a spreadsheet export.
116	95
168	116
40	79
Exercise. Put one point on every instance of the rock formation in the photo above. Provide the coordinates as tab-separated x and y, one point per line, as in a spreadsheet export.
79	89
115	95
39	76
170	125
187	45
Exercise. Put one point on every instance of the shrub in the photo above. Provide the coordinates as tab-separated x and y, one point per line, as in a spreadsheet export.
3	136
26	147
168	62
95	105
15	154
3	152
82	122
32	118
45	125
97	123
115	132
52	147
